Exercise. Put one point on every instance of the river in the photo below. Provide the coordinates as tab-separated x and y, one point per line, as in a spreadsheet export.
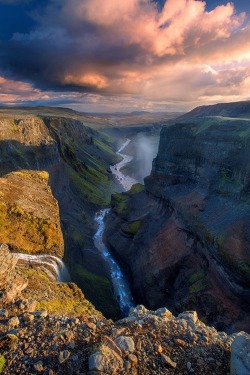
119	281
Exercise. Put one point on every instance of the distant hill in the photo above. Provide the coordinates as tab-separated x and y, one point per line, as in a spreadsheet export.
235	109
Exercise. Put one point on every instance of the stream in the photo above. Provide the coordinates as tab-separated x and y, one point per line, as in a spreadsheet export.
120	283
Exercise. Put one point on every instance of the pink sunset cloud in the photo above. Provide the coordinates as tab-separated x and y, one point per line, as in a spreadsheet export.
181	53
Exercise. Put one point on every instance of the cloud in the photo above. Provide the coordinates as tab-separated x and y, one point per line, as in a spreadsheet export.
179	52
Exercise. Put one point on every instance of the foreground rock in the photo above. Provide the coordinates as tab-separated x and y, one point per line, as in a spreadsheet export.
146	342
240	358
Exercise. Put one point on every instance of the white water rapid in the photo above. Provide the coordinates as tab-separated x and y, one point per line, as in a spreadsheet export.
53	266
120	284
121	287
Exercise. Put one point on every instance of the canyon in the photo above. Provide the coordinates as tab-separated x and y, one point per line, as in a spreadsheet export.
181	240
189	247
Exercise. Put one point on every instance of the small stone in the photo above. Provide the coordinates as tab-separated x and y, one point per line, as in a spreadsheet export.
64	356
125	343
43	314
75	358
38	366
4	313
105	360
158	349
166	360
13	322
189	366
139	345
133	360
164	312
29	318
72	345
179	342
90	325
97	361
112	345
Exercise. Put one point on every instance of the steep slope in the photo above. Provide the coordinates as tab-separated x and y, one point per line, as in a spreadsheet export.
77	159
190	247
29	214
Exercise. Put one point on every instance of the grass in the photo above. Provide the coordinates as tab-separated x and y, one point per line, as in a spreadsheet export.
197	283
57	298
120	203
136	188
132	227
91	189
2	363
98	289
239	266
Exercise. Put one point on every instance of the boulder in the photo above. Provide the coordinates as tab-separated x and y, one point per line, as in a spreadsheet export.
240	355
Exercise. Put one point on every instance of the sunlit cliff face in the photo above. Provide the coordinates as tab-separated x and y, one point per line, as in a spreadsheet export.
128	54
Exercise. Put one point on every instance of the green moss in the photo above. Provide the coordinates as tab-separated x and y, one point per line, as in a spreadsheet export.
2	363
28	233
104	147
120	203
136	188
242	268
93	187
57	298
195	277
197	283
102	297
132	228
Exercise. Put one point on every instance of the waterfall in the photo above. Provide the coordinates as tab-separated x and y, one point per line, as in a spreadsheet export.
53	266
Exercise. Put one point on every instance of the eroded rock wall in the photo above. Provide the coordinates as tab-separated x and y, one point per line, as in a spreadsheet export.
191	249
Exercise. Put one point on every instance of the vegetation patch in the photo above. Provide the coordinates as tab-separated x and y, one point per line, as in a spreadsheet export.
57	298
136	188
2	363
197	282
102	297
120	203
132	228
25	232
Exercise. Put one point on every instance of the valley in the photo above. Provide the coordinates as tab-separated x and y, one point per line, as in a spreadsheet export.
172	235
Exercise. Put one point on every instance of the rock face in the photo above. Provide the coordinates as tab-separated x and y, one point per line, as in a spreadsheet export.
29	214
11	283
44	152
191	247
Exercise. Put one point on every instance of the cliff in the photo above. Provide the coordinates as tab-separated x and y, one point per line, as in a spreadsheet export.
190	245
47	158
29	214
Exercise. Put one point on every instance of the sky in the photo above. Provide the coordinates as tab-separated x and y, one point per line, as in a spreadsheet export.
124	55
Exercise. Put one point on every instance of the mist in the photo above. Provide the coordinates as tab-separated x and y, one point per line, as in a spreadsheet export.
145	150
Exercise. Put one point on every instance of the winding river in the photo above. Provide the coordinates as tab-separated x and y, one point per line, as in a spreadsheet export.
120	284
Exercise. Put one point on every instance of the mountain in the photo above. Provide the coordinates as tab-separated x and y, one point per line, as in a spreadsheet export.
234	109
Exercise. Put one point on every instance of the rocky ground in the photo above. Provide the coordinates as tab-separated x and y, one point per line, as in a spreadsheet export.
145	342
